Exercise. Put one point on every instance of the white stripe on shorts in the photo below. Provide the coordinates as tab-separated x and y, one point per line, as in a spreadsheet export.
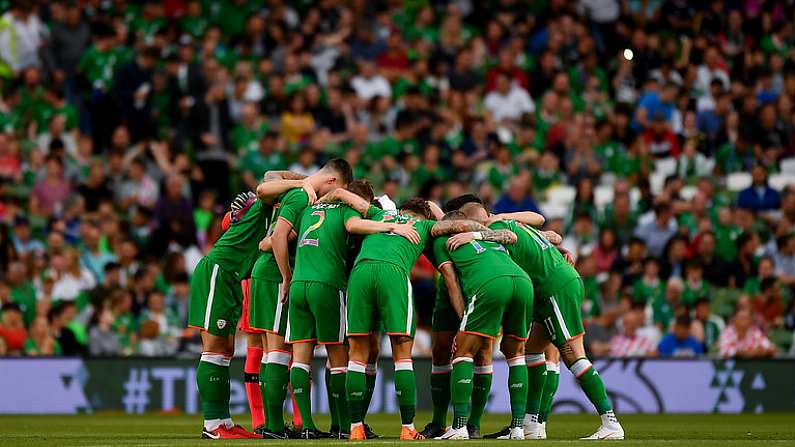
210	297
410	303
559	317
343	312
469	310
278	318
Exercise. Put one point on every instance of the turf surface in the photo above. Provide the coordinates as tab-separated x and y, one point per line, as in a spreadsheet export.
180	430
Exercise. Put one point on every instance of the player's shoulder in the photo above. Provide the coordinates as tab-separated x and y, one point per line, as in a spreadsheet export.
295	194
503	224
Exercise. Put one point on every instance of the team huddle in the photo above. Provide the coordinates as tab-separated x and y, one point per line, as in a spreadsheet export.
314	260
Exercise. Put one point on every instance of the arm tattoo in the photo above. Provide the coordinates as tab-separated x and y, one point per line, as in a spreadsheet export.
456	226
283	175
505	237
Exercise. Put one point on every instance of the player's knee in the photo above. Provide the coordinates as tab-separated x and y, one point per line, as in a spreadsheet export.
511	347
359	349
253	341
442	352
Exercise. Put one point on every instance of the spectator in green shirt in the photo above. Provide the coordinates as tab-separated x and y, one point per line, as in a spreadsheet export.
695	285
40	340
649	287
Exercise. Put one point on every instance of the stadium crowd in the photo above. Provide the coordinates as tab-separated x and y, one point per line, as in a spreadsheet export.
655	136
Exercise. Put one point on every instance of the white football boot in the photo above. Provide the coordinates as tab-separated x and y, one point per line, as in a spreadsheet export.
514	433
543	430
532	428
455	433
610	428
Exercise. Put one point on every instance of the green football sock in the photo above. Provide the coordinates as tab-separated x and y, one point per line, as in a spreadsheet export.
536	376
277	377
406	390
302	388
338	379
332	402
440	393
369	388
263	370
355	385
212	379
481	387
461	389
550	388
592	384
517	389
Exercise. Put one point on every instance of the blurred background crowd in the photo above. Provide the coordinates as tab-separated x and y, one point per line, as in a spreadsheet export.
657	136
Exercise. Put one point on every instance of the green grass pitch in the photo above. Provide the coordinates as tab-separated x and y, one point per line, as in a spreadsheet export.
181	430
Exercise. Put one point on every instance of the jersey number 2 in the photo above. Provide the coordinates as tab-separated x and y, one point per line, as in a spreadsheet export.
305	239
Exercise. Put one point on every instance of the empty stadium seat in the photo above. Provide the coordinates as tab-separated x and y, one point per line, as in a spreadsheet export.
657	181
688	192
554	210
561	194
602	196
737	181
665	166
788	165
781	181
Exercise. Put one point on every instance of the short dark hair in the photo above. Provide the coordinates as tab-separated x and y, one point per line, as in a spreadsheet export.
454	215
457	202
362	188
700	301
683	320
768	283
342	168
416	205
693	264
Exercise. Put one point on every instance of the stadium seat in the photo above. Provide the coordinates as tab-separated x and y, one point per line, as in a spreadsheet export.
553	210
634	196
788	165
665	166
602	196
781	181
688	192
737	181
562	195
607	179
657	181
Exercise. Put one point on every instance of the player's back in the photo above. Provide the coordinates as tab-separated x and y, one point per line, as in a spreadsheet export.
322	244
545	265
393	248
238	248
479	262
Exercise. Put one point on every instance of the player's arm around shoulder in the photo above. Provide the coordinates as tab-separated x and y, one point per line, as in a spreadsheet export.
504	237
454	226
524	217
268	191
354	201
357	225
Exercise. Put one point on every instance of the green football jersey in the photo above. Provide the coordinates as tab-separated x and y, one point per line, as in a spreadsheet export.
393	248
322	244
478	263
544	264
237	249
289	207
